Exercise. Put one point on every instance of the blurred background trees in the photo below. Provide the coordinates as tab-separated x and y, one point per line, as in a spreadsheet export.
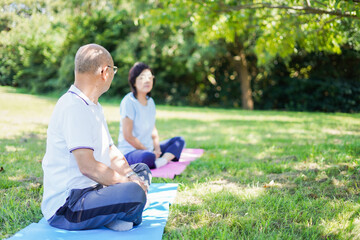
291	55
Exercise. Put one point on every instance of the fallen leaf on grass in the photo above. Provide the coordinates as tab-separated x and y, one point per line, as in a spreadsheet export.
270	184
313	195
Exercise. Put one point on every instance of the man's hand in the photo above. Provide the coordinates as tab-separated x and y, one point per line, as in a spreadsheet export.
119	164
143	184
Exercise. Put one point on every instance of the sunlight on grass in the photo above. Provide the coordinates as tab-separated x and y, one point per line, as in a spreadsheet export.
355	233
195	204
209	116
337	225
13	149
340	132
222	186
268	152
17	178
19	109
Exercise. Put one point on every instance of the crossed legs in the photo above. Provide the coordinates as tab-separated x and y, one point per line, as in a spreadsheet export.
171	150
97	206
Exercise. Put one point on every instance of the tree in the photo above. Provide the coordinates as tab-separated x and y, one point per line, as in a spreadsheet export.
267	29
29	44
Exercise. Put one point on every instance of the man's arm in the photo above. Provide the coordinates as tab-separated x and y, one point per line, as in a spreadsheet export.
118	161
95	170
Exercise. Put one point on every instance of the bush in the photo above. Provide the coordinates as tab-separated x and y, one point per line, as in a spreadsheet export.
29	54
312	82
328	95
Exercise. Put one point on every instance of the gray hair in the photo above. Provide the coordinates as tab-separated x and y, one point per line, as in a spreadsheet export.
90	57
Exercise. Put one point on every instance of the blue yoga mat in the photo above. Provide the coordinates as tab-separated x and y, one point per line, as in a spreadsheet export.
161	196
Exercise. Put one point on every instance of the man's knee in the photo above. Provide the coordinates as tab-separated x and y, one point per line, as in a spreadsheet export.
135	191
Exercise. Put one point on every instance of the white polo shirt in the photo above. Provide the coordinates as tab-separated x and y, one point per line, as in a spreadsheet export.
75	123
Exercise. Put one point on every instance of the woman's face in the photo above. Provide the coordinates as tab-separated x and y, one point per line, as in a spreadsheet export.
144	82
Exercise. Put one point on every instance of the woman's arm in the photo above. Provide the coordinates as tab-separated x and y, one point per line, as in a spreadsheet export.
155	137
127	128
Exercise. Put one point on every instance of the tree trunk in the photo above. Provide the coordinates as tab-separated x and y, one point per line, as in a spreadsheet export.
243	73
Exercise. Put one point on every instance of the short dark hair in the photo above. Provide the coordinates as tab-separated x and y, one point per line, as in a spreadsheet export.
134	72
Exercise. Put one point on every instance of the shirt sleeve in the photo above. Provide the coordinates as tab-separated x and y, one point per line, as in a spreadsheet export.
78	129
127	109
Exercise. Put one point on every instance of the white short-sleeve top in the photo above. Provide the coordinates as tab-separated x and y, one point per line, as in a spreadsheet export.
75	123
143	118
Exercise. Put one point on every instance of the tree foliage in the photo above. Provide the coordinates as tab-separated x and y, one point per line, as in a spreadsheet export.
271	29
266	29
202	52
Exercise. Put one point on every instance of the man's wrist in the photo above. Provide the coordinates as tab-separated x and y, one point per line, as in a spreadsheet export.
128	175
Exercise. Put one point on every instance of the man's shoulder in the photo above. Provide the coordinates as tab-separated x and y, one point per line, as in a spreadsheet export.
71	104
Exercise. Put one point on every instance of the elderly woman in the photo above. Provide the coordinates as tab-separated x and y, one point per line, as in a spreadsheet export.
138	136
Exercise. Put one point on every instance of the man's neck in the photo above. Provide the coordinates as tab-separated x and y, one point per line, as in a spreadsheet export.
87	87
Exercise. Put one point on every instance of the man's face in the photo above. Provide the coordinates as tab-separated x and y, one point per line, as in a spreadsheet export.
110	73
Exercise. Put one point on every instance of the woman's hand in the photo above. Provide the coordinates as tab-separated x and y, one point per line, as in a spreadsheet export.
157	153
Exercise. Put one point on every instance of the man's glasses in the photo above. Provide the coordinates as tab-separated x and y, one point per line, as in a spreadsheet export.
114	68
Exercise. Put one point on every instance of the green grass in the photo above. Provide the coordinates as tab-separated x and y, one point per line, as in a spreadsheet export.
264	174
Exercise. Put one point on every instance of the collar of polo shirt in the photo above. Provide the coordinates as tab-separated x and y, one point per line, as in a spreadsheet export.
76	91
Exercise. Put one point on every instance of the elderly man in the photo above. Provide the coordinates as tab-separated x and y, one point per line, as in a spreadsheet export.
87	181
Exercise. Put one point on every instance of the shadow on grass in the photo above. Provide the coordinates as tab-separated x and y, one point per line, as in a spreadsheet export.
21	158
309	180
259	177
288	208
231	133
20	181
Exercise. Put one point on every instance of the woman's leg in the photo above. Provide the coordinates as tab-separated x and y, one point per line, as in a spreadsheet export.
171	149
141	156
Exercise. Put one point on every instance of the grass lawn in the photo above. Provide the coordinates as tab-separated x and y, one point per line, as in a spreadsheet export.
264	174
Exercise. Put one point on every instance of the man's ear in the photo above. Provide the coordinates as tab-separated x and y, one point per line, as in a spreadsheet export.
104	73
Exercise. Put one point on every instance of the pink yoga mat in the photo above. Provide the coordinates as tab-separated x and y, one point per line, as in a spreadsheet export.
176	168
